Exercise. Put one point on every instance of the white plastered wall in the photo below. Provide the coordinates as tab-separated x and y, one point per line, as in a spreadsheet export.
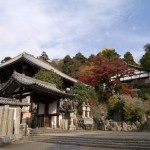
41	109
27	100
53	110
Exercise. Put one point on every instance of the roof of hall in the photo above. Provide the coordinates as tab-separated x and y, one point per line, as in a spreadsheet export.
39	63
33	84
11	101
138	67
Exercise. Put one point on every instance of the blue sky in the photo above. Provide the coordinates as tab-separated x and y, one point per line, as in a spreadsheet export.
62	27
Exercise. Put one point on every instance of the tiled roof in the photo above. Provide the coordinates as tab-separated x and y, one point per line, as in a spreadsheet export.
137	67
35	84
14	102
39	63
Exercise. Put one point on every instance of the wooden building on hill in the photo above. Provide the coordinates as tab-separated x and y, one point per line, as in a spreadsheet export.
140	77
29	65
16	81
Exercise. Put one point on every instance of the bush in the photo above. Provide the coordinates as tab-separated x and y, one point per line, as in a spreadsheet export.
132	109
144	94
124	88
87	95
112	102
114	105
84	94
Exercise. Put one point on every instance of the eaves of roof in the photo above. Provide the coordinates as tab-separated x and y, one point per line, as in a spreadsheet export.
13	102
34	84
139	68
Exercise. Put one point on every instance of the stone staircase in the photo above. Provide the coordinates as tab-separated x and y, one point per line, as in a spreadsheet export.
87	141
38	131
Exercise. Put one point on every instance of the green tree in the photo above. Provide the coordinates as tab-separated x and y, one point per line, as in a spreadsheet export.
67	59
50	77
87	95
91	57
147	48
80	57
109	53
145	60
6	59
44	56
83	93
128	58
71	65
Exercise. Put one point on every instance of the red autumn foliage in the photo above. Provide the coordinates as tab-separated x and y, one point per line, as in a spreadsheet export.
84	79
91	101
127	90
105	71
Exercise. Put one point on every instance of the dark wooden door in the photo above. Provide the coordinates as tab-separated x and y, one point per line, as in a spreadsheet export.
47	121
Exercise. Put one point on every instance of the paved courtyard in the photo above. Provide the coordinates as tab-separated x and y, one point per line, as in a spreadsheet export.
83	141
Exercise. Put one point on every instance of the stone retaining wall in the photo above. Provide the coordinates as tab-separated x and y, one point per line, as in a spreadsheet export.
111	125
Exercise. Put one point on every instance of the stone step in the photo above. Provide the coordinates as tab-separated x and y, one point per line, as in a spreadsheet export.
46	131
88	138
104	145
96	142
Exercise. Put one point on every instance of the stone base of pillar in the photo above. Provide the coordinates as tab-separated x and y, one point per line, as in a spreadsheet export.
54	127
72	127
88	121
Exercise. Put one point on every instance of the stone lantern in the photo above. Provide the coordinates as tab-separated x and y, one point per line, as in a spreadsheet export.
67	106
88	110
83	110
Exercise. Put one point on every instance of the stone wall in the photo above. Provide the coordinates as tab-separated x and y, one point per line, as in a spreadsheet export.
9	120
111	125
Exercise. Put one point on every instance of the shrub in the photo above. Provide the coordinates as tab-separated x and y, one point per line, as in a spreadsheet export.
144	94
132	109
112	102
86	94
114	105
127	90
83	93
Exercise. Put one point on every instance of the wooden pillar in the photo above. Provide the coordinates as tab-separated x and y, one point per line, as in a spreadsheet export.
1	118
17	120
31	101
37	125
58	125
10	122
5	120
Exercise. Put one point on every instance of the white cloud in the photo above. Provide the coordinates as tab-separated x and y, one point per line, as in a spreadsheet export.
58	27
